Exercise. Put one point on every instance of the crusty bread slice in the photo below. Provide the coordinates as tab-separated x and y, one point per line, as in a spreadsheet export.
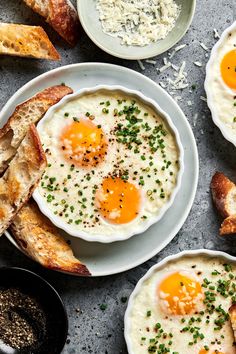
224	194
19	180
228	226
232	315
26	41
40	239
61	15
28	112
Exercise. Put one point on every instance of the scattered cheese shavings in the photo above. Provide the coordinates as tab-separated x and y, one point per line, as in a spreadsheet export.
140	63
162	84
165	67
197	63
195	117
165	61
177	98
180	82
216	34
150	61
175	67
203	46
203	98
178	48
138	22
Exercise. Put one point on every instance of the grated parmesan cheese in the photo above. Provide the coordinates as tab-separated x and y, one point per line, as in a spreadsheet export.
138	22
177	49
163	68
216	34
203	46
150	61
198	63
140	63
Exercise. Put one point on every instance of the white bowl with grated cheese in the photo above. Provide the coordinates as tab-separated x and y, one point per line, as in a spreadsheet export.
136	29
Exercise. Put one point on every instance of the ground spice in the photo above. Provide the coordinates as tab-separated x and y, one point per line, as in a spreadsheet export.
23	322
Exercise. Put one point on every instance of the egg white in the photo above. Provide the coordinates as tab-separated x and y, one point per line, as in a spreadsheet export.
117	154
222	96
147	300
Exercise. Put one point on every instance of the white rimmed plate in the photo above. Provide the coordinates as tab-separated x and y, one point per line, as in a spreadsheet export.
106	259
89	18
162	264
224	128
71	230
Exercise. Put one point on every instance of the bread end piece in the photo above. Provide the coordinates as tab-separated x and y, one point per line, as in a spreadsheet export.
232	315
228	226
224	194
41	240
26	41
61	15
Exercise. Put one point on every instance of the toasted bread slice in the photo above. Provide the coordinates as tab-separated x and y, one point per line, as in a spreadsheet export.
232	315
224	194
19	180
61	15
40	239
228	226
28	112
26	41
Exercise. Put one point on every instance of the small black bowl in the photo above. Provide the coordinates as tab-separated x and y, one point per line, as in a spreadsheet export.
56	328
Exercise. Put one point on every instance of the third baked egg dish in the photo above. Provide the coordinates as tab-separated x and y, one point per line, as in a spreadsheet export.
183	308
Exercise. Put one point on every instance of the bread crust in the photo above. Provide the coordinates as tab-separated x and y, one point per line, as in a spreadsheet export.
232	315
61	15
26	113
26	41
21	177
41	240
228	226
221	187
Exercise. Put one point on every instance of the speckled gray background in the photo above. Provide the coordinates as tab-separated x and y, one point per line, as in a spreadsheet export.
92	330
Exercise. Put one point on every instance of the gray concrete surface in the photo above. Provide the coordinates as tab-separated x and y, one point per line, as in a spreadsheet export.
92	330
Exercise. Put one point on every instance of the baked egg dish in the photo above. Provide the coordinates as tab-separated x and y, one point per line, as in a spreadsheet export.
183	308
221	83
113	163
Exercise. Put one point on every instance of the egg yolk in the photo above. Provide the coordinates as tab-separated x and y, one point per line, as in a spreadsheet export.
180	293
204	351
118	201
228	69
84	143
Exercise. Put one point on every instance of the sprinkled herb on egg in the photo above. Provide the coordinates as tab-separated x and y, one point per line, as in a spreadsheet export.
113	163
183	308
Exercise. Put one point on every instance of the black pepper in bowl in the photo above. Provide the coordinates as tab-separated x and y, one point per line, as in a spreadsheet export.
32	316
23	321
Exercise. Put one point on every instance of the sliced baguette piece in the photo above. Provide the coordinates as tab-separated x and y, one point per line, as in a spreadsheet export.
19	180
223	194
28	112
26	41
61	15
228	226
232	315
40	239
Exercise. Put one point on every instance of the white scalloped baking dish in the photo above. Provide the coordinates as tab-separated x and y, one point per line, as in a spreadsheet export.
159	266
224	128
98	237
